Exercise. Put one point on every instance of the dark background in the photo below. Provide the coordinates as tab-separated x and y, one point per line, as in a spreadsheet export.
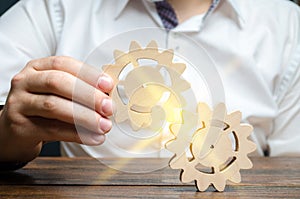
5	4
50	149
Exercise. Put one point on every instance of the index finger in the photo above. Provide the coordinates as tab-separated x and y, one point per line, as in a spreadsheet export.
77	68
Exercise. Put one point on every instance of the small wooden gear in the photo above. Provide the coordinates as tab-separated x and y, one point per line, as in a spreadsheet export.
219	147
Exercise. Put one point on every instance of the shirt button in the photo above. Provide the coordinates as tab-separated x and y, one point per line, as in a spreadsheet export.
177	48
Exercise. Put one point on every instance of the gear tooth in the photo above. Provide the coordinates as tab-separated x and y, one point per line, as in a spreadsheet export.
186	177
182	86
239	115
121	114
170	51
236	178
140	120
245	163
234	119
118	54
152	44
166	58
220	112
178	84
203	107
202	184
177	162
134	126
172	146
221	107
204	113
134	46
173	165
179	67
174	128
112	71
236	114
119	118
251	146
245	130
247	147
219	185
249	130
168	55
169	144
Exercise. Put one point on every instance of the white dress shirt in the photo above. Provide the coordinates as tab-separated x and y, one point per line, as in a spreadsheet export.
255	45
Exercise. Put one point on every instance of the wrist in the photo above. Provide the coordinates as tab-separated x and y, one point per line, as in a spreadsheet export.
14	149
15	152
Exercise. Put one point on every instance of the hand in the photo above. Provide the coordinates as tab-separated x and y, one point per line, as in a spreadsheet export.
43	106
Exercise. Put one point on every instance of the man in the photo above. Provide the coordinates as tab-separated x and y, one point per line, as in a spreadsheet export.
260	36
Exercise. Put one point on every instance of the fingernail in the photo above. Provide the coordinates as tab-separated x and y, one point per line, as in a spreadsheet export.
105	81
105	125
106	107
98	139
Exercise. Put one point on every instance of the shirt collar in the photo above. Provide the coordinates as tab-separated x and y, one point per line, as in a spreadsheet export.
120	7
240	16
233	4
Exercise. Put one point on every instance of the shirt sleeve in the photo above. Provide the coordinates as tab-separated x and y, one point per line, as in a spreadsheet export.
27	31
285	137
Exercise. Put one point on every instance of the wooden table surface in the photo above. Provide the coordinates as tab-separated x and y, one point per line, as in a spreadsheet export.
88	178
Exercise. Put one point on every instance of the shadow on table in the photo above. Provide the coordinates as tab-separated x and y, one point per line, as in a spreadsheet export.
15	178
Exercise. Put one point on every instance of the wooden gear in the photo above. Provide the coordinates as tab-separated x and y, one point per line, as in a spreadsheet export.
214	159
144	87
205	134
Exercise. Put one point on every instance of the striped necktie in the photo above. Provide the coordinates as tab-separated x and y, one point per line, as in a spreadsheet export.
166	14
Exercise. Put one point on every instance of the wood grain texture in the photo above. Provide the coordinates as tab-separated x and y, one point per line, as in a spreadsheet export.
88	178
146	192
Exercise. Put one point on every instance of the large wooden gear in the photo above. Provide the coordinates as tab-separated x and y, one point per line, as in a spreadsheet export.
210	146
145	86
